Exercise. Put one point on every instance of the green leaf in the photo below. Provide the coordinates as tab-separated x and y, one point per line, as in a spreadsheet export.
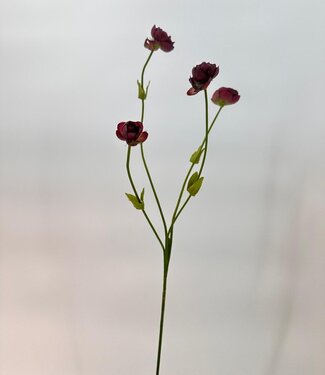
134	200
142	195
141	92
193	178
195	158
194	184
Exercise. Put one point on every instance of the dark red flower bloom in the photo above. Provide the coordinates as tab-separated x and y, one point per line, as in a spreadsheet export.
202	75
131	132
225	96
160	39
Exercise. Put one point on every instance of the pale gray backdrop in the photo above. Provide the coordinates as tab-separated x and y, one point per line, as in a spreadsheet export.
80	273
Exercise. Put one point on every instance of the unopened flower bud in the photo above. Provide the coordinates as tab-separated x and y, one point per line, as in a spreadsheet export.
225	96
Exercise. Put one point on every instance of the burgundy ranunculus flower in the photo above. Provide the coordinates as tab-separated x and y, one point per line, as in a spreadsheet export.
225	96
160	39
202	75
131	132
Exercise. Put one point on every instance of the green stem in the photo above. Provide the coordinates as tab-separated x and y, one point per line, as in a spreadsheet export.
142	79
162	315
145	65
180	198
154	190
129	173
137	195
214	120
189	196
167	252
142	151
204	142
206	131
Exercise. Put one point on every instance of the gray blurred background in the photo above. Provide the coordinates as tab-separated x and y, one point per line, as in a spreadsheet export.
80	272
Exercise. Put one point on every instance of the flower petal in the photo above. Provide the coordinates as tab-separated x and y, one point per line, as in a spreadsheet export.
119	136
192	91
121	131
142	137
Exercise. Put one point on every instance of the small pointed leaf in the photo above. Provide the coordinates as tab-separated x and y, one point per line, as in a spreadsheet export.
142	195
194	188
134	200
147	88
195	158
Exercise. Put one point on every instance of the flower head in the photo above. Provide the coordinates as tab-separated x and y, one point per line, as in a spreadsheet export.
225	96
160	39
202	75
131	132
